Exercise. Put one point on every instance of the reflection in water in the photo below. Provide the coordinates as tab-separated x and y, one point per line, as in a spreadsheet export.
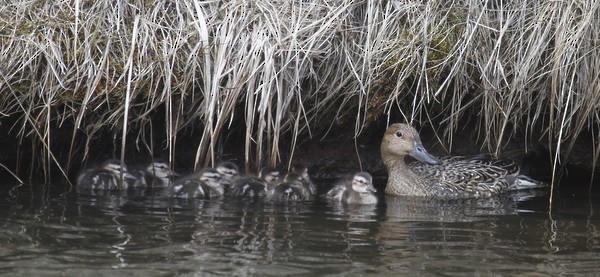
399	208
486	236
50	232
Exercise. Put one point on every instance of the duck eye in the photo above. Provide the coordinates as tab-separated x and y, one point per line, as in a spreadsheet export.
399	134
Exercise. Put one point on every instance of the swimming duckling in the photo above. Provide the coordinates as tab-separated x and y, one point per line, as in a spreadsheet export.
292	188
248	186
105	177
256	187
271	176
205	183
156	174
449	177
358	190
229	173
302	171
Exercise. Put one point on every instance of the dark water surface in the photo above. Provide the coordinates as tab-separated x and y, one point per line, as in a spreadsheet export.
47	231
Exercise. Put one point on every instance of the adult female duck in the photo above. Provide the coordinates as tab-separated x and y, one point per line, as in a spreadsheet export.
449	177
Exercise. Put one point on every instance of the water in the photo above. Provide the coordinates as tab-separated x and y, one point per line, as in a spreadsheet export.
47	231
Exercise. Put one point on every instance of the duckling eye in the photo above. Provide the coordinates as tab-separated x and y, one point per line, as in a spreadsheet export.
398	134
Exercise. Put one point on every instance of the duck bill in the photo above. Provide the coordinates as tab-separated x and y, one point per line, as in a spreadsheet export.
371	188
422	155
225	183
129	176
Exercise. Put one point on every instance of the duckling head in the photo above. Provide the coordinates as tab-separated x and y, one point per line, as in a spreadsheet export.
269	174
293	178
401	140
228	170
301	170
362	182
115	167
210	177
229	173
160	169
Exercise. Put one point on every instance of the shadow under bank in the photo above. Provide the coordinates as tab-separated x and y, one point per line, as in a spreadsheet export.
329	154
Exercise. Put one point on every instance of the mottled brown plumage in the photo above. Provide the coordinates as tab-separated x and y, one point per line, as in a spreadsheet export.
449	177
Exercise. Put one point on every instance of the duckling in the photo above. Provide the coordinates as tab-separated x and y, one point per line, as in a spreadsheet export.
156	174
229	173
160	173
205	183
449	177
271	176
302	171
105	177
292	189
358	190
248	186
255	187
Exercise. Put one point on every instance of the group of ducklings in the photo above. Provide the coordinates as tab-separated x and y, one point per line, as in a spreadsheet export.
224	180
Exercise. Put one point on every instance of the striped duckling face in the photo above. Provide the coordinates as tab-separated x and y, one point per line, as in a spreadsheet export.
229	170
362	182
211	177
229	173
269	175
115	167
160	169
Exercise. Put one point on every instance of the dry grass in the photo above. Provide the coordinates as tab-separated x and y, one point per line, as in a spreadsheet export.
285	67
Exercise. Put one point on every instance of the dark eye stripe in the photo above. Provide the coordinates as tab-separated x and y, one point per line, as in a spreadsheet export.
114	167
211	175
227	171
360	179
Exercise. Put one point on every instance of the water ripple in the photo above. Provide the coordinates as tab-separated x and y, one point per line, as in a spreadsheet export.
117	234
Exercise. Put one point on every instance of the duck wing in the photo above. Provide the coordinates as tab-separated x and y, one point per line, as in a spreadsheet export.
471	177
337	191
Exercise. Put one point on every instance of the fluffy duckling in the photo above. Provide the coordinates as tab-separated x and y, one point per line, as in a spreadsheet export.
105	177
156	174
256	187
292	188
205	183
302	171
248	186
229	173
358	190
271	176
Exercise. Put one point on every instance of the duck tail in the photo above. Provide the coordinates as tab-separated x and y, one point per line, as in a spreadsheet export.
523	182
